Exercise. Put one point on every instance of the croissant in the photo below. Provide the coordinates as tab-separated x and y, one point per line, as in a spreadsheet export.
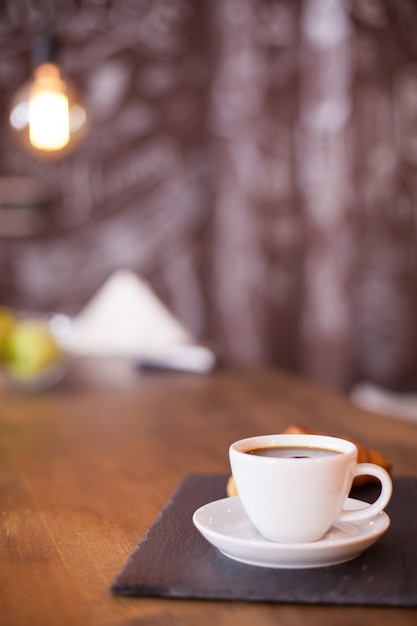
365	455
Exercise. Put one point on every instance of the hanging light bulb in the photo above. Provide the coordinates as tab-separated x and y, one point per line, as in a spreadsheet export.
47	114
49	127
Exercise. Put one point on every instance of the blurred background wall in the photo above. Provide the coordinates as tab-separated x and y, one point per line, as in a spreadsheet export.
254	160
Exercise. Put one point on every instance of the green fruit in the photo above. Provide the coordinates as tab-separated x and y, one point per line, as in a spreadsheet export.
7	320
30	348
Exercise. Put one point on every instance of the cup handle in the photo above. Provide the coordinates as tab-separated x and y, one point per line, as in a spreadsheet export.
370	469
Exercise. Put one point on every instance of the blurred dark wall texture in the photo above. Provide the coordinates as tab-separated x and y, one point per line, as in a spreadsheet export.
254	160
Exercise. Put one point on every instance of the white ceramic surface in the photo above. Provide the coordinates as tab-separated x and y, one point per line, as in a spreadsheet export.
225	525
296	499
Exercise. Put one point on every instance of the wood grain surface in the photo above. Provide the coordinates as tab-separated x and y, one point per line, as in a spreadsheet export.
86	468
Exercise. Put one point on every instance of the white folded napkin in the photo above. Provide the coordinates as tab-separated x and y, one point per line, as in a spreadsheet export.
125	318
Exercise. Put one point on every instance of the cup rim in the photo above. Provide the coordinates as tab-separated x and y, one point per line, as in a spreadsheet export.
339	444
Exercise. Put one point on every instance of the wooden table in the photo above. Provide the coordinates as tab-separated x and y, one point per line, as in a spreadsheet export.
85	469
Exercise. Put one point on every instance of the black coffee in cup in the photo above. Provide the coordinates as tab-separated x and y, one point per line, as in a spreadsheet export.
292	452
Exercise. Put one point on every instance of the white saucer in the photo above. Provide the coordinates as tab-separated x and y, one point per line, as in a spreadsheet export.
225	524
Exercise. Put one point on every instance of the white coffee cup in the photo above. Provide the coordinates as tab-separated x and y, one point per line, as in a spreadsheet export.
296	499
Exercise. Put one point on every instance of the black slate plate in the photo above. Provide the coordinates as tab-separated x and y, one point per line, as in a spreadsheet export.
174	560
